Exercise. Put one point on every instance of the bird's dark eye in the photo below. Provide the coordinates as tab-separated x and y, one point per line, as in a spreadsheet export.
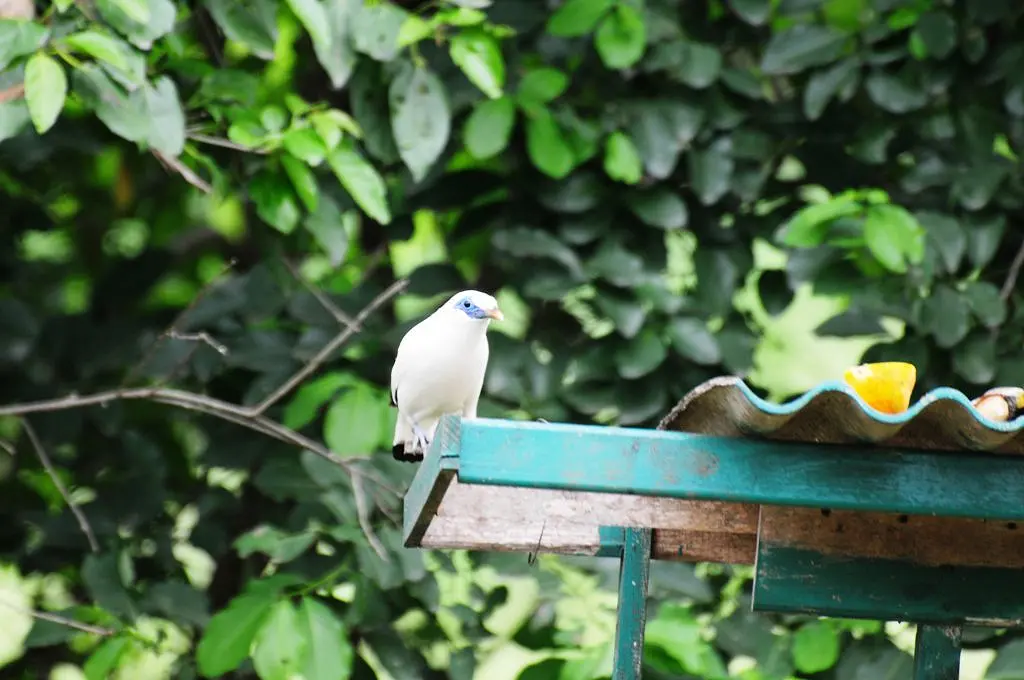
467	304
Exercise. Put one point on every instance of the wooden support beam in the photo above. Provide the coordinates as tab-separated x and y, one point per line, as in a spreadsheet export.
890	567
937	653
631	618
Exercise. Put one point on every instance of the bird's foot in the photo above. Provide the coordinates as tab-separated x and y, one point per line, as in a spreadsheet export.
421	441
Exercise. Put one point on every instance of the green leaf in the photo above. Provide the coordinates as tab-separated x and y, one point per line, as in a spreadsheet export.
420	119
166	118
983	238
815	647
353	423
824	85
621	38
46	87
894	237
800	47
621	159
136	10
99	45
102	580
810	225
313	18
306	145
710	171
250	22
329	654
102	662
894	94
305	405
303	181
361	180
660	129
691	339
641	355
987	304
547	146
947	316
375	30
414	29
279	546
946	236
338	57
660	208
937	32
701	65
754	12
141	33
275	202
540	86
489	127
280	650
332	229
479	57
577	17
228	637
974	360
18	38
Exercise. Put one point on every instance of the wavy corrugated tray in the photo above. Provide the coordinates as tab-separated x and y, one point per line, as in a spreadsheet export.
832	413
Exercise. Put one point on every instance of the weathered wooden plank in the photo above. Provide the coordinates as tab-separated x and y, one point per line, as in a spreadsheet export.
701	546
631	617
697	467
919	539
797	580
522	504
937	653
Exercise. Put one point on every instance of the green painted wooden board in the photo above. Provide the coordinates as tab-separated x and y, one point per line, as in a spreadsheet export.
701	467
798	580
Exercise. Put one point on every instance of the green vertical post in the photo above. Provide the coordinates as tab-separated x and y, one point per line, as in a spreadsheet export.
937	653
634	575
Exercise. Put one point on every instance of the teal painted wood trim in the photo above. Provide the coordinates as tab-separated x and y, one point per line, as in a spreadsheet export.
631	619
937	653
700	467
795	580
613	540
428	487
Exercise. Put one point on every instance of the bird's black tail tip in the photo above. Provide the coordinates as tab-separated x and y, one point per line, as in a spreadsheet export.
398	452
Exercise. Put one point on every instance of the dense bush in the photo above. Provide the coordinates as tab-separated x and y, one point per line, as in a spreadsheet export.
205	207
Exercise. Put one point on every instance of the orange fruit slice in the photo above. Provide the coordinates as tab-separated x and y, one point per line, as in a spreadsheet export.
885	387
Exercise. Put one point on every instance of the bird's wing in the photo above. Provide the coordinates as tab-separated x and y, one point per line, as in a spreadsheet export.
475	381
405	357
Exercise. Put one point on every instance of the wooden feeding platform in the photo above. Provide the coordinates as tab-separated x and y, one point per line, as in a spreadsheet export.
843	511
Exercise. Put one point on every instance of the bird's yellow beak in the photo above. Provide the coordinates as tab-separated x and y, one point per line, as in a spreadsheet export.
496	314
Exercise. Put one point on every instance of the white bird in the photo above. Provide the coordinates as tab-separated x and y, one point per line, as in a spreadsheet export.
439	369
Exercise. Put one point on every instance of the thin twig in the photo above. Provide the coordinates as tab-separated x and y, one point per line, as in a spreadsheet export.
61	620
173	327
1011	277
339	315
12	93
328	349
83	523
8	448
200	337
223	143
363	513
175	164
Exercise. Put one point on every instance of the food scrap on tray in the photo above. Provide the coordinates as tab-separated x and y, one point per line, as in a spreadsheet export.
885	386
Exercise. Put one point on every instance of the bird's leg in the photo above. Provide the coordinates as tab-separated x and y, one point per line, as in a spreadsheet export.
421	439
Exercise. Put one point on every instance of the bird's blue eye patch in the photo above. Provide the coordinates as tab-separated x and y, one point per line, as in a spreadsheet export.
470	308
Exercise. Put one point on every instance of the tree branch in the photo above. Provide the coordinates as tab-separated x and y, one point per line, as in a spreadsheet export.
328	349
1011	277
61	620
83	523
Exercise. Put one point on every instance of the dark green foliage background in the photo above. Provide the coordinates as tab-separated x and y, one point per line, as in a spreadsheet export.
607	166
